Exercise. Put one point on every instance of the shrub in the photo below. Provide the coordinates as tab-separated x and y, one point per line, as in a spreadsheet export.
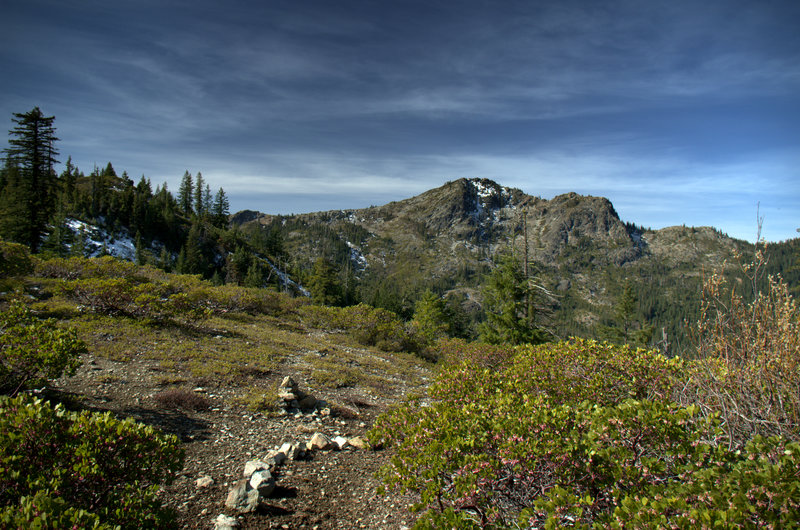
368	325
748	357
15	260
34	350
177	398
60	468
578	434
259	399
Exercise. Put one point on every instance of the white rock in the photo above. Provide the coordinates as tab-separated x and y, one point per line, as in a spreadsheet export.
340	442
319	441
224	522
204	482
263	482
252	466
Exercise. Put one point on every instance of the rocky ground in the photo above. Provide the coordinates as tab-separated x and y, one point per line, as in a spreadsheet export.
324	490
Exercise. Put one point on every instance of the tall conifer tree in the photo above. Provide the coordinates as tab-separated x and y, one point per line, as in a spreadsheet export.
32	153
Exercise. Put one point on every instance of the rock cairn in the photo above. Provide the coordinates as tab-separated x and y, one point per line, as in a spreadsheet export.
291	398
258	481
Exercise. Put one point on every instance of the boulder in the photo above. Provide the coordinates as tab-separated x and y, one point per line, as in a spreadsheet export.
252	466
292	451
243	497
358	442
204	482
276	458
319	441
307	403
263	482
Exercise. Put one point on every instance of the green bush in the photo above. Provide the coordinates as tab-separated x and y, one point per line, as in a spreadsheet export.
15	260
578	434
60	469
115	287
34	350
368	325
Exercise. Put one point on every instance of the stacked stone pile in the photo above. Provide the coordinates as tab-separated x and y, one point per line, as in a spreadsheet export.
258	480
291	398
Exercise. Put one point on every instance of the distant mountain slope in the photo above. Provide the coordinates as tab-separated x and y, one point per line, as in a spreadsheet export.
445	239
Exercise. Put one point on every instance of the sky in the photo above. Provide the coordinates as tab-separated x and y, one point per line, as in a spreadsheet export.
678	111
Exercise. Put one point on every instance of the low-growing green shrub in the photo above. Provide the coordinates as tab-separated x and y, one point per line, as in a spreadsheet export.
15	261
34	350
578	434
82	470
368	325
125	297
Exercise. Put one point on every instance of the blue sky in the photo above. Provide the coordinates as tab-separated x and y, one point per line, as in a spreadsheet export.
678	111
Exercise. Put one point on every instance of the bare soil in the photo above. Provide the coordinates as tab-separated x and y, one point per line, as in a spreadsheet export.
327	490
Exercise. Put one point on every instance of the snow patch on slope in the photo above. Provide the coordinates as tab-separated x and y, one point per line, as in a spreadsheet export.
98	242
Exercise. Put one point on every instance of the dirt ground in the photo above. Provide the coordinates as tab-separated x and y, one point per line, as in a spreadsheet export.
327	490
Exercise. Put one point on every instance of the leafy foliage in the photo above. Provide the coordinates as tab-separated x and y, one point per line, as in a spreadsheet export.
89	470
34	350
509	306
578	434
369	325
748	366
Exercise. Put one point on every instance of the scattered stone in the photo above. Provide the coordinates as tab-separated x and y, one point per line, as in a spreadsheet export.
224	522
339	442
319	441
277	457
263	482
242	497
252	466
204	482
358	442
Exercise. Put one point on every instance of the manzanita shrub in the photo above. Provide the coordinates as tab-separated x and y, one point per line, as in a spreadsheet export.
369	325
33	350
61	469
578	434
116	287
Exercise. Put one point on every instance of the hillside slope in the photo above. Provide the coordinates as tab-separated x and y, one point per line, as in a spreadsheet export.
445	239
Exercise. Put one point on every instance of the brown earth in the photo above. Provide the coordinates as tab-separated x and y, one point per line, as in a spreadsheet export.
327	490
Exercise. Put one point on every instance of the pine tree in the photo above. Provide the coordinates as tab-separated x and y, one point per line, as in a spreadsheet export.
509	307
323	283
432	317
627	328
185	194
255	276
32	152
221	209
199	185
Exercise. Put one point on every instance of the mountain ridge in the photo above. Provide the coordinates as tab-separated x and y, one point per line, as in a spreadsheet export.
445	239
